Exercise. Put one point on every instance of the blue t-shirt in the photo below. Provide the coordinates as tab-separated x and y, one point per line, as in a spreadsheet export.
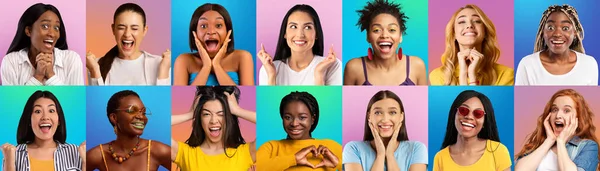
407	153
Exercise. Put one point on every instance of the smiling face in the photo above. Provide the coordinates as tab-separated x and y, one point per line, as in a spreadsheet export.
130	116
469	118
384	35
211	31
385	115
297	120
213	120
300	32
44	119
129	31
562	110
44	32
469	28
559	33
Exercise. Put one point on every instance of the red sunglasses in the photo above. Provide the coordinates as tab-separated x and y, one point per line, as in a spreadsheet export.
464	111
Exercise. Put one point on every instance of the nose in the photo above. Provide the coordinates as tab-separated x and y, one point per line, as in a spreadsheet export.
211	30
295	122
212	119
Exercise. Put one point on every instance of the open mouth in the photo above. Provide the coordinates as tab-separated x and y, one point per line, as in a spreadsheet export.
215	131
127	44
138	125
385	47
557	43
470	33
300	42
45	127
559	124
384	128
49	43
211	45
295	131
467	126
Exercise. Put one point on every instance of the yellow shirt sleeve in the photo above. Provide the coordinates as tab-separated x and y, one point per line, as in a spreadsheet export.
506	75
437	161
266	160
502	156
436	77
181	153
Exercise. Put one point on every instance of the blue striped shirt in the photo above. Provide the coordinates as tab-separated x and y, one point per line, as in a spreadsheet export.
66	158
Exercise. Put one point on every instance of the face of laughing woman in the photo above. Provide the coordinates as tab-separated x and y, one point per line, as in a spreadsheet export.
44	119
44	33
211	31
129	31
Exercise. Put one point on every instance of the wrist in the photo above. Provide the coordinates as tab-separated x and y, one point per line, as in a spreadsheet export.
561	142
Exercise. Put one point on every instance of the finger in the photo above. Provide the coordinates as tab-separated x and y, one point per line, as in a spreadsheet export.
331	50
262	47
228	35
195	35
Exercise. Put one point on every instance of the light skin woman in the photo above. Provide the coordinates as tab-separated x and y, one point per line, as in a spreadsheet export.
129	29
385	26
565	117
211	35
472	52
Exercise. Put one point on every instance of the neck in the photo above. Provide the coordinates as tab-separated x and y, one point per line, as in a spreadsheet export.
465	47
212	145
133	56
559	57
386	141
39	143
301	59
386	64
467	144
126	142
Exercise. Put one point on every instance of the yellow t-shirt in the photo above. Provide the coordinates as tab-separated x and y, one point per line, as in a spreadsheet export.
495	157
45	165
281	155
506	76
192	159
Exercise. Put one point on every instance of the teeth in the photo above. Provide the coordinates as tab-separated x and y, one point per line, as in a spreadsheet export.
127	41
558	42
469	34
385	127
43	125
49	41
385	44
214	129
468	124
300	42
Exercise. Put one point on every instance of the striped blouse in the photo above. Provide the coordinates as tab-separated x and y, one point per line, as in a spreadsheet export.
66	158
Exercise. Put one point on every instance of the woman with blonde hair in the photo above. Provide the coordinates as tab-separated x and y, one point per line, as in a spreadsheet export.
559	57
472	52
564	138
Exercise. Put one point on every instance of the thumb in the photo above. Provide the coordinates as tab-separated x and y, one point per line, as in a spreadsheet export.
331	49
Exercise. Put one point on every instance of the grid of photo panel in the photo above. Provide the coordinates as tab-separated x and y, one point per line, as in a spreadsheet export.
300	85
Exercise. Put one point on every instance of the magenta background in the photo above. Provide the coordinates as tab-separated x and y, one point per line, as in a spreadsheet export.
356	99
100	36
500	12
72	13
270	13
530	103
182	98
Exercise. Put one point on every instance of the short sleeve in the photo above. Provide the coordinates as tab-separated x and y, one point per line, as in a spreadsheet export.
436	77
502	157
181	153
351	153
420	155
587	159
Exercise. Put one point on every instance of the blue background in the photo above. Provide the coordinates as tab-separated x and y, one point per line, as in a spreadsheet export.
155	98
528	14
440	100
71	99
243	17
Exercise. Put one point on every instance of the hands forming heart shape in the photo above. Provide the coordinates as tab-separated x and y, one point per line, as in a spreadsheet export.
328	158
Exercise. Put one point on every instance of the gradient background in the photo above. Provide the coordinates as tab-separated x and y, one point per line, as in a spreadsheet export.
414	100
500	12
243	17
414	43
270	126
155	98
70	11
71	98
528	23
440	100
100	38
530	103
270	14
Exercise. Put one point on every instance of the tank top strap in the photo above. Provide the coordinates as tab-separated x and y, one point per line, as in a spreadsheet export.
103	158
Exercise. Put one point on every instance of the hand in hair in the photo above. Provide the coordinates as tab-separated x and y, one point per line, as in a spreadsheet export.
301	156
216	61
379	146
569	130
165	65
234	107
323	66
81	150
91	63
206	61
9	152
329	159
267	62
550	136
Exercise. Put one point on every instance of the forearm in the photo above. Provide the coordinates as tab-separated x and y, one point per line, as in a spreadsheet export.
202	76
379	163
222	76
8	165
564	162
319	80
392	164
462	79
472	79
177	119
163	72
246	115
532	161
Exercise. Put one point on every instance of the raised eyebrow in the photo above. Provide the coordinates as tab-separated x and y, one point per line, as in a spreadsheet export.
309	23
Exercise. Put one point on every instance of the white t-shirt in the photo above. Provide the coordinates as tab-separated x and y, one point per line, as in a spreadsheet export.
531	72
140	71
287	76
549	162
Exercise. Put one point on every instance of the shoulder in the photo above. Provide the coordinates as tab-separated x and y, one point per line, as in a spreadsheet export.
354	64
354	145
436	72
241	53
496	146
589	144
586	59
329	142
151	56
94	155
159	148
185	57
17	55
416	62
69	146
442	153
414	144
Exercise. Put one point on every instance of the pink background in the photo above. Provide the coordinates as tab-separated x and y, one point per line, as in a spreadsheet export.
500	12
530	103
270	13
356	99
181	101
100	16
72	13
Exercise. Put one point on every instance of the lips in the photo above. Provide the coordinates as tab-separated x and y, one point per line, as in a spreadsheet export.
466	126
385	46
49	43
469	33
212	45
295	131
127	44
214	131
557	43
385	128
45	127
138	125
299	42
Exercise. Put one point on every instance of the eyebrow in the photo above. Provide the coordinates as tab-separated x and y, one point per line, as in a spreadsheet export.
37	105
474	15
124	25
204	18
309	23
563	21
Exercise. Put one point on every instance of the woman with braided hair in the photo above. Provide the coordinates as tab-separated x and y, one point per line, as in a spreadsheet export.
559	57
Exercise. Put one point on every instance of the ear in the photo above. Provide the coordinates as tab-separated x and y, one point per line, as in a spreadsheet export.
112	117
28	31
402	116
112	28
145	30
400	41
